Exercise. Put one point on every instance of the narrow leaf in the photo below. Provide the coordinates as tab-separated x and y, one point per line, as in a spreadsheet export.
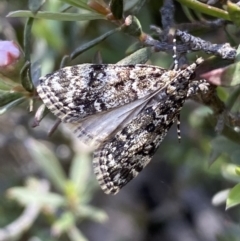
6	83
92	43
139	57
35	5
133	6
27	37
204	8
63	223
26	77
25	196
116	7
46	159
234	12
8	96
75	234
57	16
11	105
78	3
233	197
92	213
80	171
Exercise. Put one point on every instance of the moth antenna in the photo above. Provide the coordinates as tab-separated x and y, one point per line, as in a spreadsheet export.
176	68
175	54
178	128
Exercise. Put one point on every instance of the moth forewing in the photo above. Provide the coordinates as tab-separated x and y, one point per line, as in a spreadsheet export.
96	129
123	112
73	93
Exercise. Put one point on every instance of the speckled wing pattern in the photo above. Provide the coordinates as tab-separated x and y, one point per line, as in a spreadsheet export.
122	111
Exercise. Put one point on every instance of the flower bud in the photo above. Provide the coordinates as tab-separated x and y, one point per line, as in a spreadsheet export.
11	60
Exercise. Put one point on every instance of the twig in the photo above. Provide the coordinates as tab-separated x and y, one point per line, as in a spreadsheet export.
225	51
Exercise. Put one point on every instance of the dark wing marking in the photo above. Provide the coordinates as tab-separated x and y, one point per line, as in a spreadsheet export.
73	93
122	157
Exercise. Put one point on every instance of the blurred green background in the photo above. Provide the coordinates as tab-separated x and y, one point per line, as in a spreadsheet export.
52	178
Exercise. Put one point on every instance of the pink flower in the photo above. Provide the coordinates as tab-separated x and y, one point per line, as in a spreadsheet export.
9	53
11	60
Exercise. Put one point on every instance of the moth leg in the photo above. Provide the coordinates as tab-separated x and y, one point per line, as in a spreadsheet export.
197	86
178	128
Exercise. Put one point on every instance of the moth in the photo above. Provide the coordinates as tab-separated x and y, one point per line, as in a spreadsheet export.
122	111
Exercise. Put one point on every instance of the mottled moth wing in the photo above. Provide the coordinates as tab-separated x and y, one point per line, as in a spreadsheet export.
122	157
122	111
74	93
95	99
97	128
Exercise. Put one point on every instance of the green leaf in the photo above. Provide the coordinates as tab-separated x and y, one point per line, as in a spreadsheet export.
57	16
233	197
132	26
46	159
220	197
204	8
141	56
27	38
82	178
116	7
223	145
4	86
64	223
78	3
133	48
35	5
92	43
229	172
25	196
6	83
90	212
133	6
75	234
11	105
8	97
237	170
26	77
80	172
234	12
